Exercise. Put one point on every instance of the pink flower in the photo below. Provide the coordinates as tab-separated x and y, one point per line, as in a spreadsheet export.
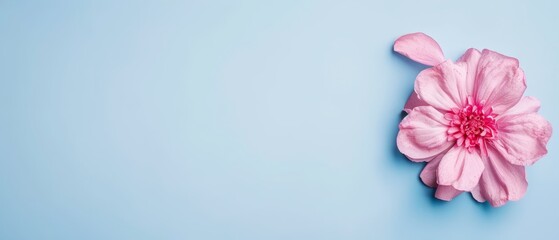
471	123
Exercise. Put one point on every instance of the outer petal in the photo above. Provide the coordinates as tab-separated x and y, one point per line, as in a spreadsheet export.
460	168
476	193
413	102
420	48
471	58
429	178
501	181
429	173
423	134
525	106
443	86
522	138
446	193
499	81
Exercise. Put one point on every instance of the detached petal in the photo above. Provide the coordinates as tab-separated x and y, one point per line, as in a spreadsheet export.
423	134
443	86
499	81
471	58
501	181
413	102
420	48
446	193
522	138
460	168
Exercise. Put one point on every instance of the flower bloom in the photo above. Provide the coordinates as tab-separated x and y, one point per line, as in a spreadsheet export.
471	123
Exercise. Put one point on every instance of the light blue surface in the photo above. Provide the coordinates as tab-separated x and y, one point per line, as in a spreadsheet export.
246	120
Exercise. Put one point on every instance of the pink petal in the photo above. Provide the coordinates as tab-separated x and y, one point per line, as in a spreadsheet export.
429	177
471	58
420	48
423	134
476	193
413	101
460	168
501	181
524	106
522	138
443	86
429	173
446	193
500	81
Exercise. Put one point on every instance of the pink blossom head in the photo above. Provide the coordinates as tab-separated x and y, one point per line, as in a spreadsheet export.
471	123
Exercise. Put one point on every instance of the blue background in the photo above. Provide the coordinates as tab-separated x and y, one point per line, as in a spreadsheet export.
246	119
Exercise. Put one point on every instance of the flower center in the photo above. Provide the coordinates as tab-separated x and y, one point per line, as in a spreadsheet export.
471	125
